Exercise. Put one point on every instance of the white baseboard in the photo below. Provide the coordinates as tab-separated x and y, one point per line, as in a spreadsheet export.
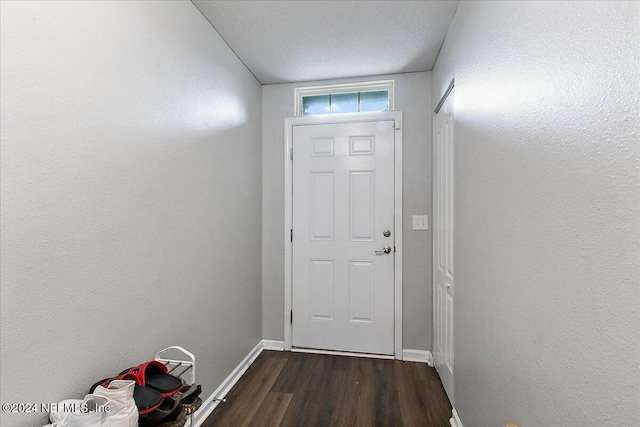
210	404
455	419
423	356
273	345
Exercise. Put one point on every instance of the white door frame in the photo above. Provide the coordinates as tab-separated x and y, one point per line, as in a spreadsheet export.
288	209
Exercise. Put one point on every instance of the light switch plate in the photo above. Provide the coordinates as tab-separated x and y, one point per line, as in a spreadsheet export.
421	222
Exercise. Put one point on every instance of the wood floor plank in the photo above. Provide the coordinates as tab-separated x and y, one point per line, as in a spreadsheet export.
387	402
284	389
311	391
244	403
270	413
276	353
438	399
416	374
411	406
342	392
240	387
361	377
295	367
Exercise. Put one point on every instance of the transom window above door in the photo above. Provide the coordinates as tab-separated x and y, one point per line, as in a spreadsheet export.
344	98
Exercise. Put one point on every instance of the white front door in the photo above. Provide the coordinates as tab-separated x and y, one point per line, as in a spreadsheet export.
443	244
343	201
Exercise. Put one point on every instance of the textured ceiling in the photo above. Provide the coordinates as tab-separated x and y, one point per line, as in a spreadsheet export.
290	41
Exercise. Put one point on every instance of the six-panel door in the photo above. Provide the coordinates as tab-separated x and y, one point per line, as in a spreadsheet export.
343	200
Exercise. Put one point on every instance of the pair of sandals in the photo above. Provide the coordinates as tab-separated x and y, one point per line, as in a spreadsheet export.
160	397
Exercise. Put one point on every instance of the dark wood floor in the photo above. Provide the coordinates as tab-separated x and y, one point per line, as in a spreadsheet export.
306	390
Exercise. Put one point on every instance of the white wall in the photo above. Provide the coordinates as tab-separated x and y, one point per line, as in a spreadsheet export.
547	212
413	97
131	169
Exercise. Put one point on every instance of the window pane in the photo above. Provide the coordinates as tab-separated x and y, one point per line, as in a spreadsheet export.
374	101
315	105
344	103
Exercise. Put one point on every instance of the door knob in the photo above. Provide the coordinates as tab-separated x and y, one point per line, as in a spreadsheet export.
385	250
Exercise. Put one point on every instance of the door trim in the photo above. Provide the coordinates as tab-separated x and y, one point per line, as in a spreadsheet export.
289	123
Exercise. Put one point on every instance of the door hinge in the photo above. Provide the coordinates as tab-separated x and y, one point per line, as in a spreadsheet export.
291	234
291	153
397	124
291	319
394	249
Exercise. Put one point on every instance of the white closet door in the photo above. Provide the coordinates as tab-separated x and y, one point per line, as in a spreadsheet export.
443	244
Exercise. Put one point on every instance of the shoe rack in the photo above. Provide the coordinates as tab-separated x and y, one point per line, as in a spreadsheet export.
180	363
